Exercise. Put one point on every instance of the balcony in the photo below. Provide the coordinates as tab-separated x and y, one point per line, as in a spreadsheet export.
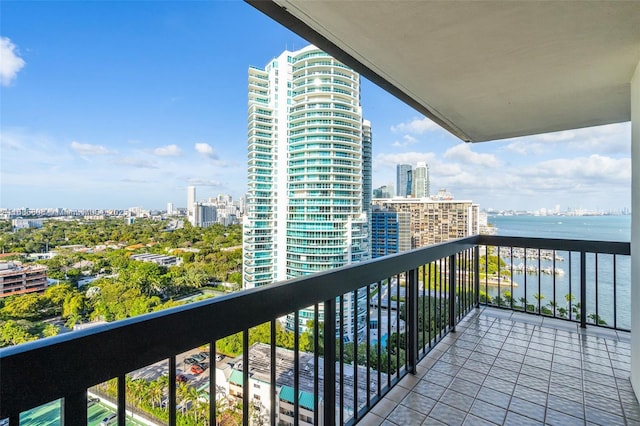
465	352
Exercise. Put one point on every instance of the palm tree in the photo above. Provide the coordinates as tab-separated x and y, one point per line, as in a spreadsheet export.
156	392
539	298
182	394
139	389
193	397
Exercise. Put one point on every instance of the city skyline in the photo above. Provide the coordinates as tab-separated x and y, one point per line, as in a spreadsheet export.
112	105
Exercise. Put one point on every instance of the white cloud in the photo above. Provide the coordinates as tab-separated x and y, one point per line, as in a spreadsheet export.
137	163
10	141
416	126
392	160
168	151
462	152
203	182
608	139
408	140
562	136
10	62
206	150
525	148
593	168
88	149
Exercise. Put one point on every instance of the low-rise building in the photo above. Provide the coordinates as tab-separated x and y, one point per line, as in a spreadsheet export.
18	279
229	378
159	259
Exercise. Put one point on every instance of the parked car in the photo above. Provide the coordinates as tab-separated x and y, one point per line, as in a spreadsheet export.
181	378
196	369
198	357
109	420
204	354
190	361
92	401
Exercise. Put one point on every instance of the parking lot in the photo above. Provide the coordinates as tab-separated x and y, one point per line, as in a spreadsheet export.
152	372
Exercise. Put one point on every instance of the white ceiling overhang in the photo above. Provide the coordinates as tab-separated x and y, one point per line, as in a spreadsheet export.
484	70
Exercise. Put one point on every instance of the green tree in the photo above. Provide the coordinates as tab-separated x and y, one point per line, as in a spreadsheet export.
15	332
25	306
50	330
156	392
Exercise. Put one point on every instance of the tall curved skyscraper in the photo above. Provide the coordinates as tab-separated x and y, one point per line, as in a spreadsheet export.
309	169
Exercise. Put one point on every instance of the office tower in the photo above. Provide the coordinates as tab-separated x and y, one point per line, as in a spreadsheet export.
421	181
191	205
170	211
403	180
309	169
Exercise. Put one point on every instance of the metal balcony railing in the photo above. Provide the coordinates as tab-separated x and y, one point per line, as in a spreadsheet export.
391	312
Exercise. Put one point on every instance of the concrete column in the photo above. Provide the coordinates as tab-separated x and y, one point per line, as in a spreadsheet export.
635	231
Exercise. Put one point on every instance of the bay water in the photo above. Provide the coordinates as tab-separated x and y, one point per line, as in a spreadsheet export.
611	303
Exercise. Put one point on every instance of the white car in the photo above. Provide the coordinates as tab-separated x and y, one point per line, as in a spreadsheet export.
109	420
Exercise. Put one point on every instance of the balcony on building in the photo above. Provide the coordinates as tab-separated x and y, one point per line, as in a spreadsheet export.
483	71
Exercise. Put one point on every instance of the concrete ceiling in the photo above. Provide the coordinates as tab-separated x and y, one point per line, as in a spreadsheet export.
484	70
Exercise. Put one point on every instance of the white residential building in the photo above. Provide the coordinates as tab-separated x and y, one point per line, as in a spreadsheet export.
309	167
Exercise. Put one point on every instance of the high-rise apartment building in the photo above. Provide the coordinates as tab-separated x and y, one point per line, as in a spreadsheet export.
191	205
421	185
432	221
404	180
309	169
390	232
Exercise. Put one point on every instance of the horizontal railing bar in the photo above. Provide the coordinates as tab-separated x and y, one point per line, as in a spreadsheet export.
68	363
71	361
588	246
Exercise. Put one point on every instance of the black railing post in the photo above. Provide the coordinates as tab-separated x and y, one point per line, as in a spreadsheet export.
74	409
476	275
452	292
122	399
14	419
583	289
412	316
329	361
245	376
213	386
171	398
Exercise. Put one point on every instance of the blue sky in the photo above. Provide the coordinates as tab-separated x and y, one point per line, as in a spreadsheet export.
122	104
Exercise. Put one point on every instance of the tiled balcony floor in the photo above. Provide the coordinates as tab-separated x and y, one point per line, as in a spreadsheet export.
501	367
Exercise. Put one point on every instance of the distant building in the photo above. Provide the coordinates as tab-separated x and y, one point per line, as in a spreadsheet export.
191	205
158	259
207	214
442	195
404	180
390	232
21	223
170	210
421	185
385	191
18	279
433	222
